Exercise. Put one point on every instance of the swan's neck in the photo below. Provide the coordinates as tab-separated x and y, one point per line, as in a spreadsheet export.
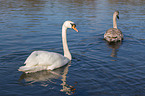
64	41
114	21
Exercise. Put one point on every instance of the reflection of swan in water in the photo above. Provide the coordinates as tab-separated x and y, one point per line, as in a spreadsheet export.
46	77
114	47
66	88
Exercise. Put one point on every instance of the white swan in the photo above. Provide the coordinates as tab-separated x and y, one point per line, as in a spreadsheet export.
114	34
43	60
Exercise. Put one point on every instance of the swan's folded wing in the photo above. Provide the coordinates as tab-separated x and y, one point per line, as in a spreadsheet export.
43	60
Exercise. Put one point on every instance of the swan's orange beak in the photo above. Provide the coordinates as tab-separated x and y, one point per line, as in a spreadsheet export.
73	27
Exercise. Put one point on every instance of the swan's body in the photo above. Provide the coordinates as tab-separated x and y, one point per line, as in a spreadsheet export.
43	60
114	34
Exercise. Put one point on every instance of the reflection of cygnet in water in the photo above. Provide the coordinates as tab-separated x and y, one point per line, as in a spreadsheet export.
114	47
48	76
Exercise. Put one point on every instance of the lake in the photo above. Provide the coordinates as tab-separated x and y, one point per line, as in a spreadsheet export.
96	69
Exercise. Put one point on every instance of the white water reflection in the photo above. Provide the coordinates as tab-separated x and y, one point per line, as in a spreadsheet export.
46	77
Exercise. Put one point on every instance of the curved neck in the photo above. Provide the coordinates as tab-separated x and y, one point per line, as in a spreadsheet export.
114	21
64	41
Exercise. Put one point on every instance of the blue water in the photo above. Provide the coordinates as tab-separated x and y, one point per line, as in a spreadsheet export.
97	69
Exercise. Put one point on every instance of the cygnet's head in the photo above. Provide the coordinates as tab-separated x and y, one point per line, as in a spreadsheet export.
70	24
116	13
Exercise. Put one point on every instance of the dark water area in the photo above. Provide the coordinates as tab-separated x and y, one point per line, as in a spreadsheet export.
97	68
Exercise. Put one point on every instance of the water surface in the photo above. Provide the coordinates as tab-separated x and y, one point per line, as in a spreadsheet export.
97	68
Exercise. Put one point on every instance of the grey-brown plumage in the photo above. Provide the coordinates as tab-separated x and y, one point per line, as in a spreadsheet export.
114	34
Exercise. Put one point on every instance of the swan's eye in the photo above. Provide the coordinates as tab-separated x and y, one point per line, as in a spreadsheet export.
73	25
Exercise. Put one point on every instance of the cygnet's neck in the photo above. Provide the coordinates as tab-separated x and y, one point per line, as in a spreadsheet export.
64	41
114	21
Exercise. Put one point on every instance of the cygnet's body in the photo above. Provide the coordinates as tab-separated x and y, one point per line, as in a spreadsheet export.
114	34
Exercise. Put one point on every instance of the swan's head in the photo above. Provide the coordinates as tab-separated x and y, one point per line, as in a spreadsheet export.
116	13
70	24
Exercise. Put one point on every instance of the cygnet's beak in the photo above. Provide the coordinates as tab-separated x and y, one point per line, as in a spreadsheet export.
117	16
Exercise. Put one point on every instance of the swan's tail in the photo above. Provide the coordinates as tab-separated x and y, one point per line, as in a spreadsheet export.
31	69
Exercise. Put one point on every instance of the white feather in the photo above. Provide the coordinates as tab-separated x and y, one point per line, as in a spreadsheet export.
43	60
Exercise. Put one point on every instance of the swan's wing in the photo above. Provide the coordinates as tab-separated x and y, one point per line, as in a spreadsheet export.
44	58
